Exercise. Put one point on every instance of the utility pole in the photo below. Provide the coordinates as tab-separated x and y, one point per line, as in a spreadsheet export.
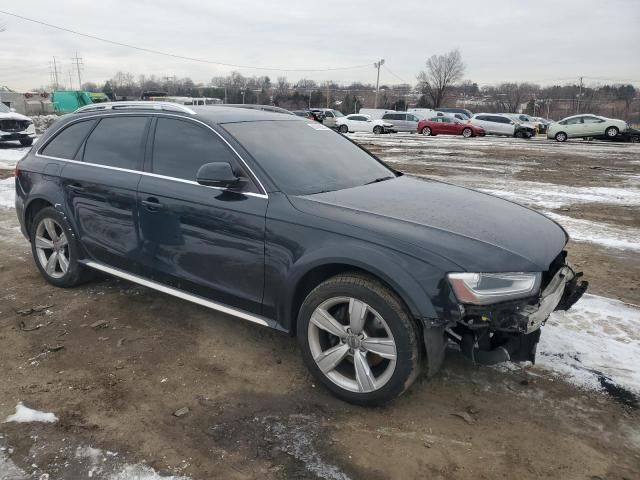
377	65
77	61
579	97
53	66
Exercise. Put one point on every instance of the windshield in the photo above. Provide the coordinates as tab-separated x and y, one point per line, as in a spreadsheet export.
4	108
304	157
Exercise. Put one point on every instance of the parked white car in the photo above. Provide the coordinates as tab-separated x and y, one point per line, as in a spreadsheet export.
15	126
362	123
375	113
583	126
501	124
423	113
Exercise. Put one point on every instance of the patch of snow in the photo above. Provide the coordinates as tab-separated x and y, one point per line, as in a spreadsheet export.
597	340
549	195
140	472
296	436
25	415
607	235
9	470
8	193
9	156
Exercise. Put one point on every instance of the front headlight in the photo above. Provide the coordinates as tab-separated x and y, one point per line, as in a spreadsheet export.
487	288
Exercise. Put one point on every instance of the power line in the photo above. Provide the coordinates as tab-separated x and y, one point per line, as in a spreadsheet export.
182	57
397	76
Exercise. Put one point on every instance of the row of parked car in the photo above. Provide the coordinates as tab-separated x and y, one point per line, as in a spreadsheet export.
460	121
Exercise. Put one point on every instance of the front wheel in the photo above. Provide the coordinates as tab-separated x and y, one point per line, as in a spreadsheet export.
466	133
426	131
611	132
359	340
377	129
561	137
343	129
55	249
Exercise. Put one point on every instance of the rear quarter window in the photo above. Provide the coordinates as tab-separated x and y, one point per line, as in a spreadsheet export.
117	142
67	142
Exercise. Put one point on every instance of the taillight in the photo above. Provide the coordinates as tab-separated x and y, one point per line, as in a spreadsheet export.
17	171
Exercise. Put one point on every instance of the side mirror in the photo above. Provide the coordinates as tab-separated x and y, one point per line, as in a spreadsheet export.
217	174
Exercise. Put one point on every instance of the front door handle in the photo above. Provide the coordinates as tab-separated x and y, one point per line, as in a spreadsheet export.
76	188
152	204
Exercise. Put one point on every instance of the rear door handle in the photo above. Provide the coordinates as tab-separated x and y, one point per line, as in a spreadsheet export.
152	204
76	188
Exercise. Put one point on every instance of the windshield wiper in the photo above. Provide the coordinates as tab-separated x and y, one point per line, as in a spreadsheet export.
381	179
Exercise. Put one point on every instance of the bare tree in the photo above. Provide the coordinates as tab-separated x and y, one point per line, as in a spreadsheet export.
508	97
441	73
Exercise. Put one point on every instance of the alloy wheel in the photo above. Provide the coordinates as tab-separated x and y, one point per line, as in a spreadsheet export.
466	133
352	344
52	248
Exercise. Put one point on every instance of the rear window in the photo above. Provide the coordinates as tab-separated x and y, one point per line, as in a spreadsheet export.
304	158
117	142
66	143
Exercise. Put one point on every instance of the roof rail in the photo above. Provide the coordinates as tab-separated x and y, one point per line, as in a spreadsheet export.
146	105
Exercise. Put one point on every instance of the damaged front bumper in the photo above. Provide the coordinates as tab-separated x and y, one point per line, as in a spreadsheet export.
491	334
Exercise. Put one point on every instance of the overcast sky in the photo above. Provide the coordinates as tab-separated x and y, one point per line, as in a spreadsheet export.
540	41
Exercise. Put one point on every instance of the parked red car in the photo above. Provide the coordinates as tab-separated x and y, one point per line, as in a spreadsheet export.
449	126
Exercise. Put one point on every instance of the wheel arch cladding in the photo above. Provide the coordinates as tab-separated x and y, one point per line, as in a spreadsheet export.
307	275
31	210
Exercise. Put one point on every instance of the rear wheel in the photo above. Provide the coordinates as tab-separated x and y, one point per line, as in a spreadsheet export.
561	137
359	340
343	129
611	132
26	142
55	249
467	132
377	129
426	131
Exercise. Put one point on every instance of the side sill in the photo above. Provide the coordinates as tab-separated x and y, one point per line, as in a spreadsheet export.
265	322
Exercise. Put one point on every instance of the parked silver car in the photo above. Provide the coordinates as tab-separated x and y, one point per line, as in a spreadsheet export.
402	122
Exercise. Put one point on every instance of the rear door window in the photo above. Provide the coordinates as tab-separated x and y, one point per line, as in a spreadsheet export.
117	142
66	143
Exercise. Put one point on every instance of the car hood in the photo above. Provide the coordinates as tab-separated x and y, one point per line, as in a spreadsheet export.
13	116
473	230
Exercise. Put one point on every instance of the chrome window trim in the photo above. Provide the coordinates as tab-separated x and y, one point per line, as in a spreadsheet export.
162	114
220	307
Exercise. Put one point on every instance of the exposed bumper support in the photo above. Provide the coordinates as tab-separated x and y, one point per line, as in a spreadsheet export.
511	331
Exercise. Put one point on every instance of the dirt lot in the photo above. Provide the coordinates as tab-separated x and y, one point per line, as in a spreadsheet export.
254	412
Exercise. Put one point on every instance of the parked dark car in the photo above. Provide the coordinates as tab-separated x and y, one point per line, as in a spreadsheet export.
304	114
282	222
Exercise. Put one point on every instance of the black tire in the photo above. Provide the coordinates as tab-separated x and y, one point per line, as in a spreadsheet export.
377	130
634	138
528	134
76	272
467	133
404	330
561	137
26	142
426	131
518	134
612	132
343	129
